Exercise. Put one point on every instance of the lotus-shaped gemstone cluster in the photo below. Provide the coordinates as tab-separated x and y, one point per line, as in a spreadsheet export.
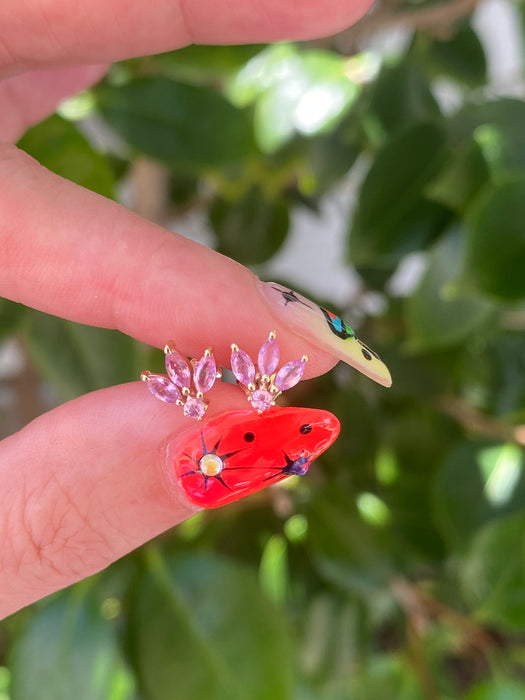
263	387
177	386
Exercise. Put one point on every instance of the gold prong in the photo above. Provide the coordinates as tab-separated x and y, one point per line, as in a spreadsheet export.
272	335
304	358
144	376
208	352
169	347
185	391
218	375
179	402
234	347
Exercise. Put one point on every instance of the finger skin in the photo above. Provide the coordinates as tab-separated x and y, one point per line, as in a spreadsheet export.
72	253
86	483
34	95
45	33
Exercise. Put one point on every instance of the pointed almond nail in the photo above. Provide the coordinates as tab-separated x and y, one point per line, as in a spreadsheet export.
324	329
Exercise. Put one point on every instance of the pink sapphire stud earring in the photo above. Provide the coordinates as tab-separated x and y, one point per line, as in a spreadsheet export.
263	387
176	387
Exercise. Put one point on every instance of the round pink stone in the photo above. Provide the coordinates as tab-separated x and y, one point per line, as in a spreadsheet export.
194	408
261	400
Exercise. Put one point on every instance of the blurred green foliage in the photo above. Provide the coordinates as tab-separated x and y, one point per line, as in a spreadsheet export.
396	569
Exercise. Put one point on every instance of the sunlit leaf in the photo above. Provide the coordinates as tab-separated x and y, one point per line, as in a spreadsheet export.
304	91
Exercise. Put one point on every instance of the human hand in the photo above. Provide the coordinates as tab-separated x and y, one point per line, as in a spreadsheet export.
86	483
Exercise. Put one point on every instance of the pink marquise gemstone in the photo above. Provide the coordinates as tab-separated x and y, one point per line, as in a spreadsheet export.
178	369
163	388
261	400
242	367
268	357
194	408
290	374
205	374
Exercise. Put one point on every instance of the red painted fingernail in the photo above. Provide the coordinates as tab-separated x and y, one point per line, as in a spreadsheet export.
240	452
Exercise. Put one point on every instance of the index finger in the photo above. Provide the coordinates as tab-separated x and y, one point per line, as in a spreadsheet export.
72	253
66	32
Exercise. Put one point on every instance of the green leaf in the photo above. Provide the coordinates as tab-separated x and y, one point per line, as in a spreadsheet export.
252	229
349	553
294	90
500	689
76	359
202	65
59	146
475	485
493	573
400	95
461	178
494	258
190	128
201	628
68	650
11	316
393	217
461	57
435	319
498	129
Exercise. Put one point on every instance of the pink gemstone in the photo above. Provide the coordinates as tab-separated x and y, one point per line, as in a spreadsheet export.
178	369
261	400
242	367
194	408
290	374
268	357
163	388
205	374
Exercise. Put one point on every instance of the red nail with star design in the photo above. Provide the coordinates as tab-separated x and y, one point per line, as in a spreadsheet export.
240	452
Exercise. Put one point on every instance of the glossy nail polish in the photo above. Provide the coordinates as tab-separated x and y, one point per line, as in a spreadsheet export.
240	452
323	328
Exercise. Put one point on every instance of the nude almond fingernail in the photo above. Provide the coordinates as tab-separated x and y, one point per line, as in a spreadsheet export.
324	329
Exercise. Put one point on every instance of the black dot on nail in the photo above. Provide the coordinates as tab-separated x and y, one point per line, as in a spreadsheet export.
249	437
366	354
305	429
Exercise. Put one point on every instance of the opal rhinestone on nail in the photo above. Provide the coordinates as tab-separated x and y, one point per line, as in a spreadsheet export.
263	387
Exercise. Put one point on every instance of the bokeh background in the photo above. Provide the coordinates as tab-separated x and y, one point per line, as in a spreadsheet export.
382	172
